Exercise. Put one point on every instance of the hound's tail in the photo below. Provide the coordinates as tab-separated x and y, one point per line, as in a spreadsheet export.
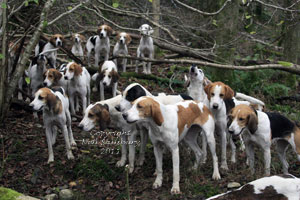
250	99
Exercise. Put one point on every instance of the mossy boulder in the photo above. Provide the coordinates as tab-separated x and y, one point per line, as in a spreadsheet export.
9	194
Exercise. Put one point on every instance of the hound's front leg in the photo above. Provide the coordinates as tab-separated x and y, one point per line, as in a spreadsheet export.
149	65
224	165
131	141
176	176
101	91
114	89
122	162
233	150
144	140
267	157
49	142
97	56
72	104
250	156
159	159
84	102
212	146
66	137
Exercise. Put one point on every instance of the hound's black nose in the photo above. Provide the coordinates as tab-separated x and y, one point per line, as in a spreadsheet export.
215	106
125	115
118	108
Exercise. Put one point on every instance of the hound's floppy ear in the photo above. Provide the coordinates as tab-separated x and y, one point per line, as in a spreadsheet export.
99	30
207	90
229	93
51	101
82	38
106	107
115	76
252	123
57	76
77	69
52	39
100	76
128	39
109	30
156	113
118	36
206	81
140	28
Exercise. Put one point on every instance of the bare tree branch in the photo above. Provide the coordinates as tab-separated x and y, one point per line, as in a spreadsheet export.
294	68
277	7
202	12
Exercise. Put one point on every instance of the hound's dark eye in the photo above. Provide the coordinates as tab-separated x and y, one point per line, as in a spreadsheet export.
221	95
212	94
139	106
40	98
241	119
90	115
109	76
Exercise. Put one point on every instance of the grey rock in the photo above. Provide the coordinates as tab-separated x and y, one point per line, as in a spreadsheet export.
233	185
66	194
51	197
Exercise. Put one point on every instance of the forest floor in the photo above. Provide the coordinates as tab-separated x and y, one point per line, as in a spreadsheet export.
93	174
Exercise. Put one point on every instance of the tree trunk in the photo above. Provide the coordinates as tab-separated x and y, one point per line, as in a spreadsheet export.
156	17
3	68
9	90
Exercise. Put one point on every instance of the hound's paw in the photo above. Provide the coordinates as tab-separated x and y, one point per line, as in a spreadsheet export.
73	143
70	155
50	160
224	166
216	176
233	160
203	160
157	184
131	169
121	163
175	190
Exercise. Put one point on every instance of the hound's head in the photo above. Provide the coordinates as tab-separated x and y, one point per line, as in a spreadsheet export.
109	74
57	39
78	38
144	108
39	60
196	74
95	114
123	38
104	31
217	92
52	76
46	98
72	70
145	29
242	117
130	94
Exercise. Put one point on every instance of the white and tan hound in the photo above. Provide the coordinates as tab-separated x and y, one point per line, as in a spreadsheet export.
220	100
55	78
55	106
99	44
121	47
146	48
262	128
77	49
79	85
49	49
169	125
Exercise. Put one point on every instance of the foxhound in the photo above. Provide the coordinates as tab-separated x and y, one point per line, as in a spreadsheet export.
169	125
262	128
79	84
220	100
108	77
145	48
55	78
273	187
130	94
77	49
121	47
104	114
55	106
50	48
99	44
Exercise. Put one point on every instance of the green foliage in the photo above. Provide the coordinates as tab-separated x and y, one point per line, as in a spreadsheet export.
8	194
95	169
206	190
285	64
276	90
115	5
29	1
3	5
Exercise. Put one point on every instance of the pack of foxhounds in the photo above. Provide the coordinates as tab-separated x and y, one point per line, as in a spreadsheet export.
208	109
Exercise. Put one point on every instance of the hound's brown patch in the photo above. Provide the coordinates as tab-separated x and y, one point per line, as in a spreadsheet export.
191	115
226	91
54	37
106	28
77	69
245	116
297	138
114	75
128	39
150	108
99	114
53	75
51	100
